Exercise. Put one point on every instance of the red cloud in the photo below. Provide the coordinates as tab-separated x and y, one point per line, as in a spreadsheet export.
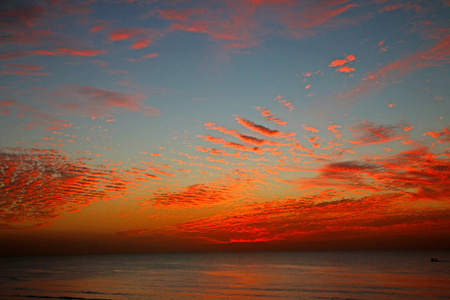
194	195
231	187
306	220
444	135
37	185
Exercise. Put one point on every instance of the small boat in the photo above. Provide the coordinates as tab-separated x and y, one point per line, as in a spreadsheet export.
434	259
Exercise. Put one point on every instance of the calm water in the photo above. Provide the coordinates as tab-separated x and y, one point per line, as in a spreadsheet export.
269	275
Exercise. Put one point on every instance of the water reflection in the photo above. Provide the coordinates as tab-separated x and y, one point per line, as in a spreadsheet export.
302	275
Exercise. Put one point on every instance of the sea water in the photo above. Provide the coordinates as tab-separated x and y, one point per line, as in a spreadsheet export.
253	275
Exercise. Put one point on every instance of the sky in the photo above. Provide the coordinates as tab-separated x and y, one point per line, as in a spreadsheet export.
165	126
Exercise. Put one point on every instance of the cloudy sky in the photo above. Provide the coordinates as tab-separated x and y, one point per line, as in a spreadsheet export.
140	125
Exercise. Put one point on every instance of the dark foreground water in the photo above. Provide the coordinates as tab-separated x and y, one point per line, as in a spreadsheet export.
268	275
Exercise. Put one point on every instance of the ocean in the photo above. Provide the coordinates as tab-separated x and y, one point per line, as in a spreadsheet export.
252	275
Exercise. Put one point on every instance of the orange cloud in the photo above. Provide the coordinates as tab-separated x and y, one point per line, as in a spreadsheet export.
309	128
269	116
333	128
232	145
242	137
337	62
341	62
151	55
259	128
345	69
284	102
230	187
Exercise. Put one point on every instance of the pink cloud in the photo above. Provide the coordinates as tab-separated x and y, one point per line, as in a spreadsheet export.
113	99
57	52
23	73
99	103
26	67
97	28
372	134
123	34
434	56
80	52
37	117
151	55
142	43
180	16
243	24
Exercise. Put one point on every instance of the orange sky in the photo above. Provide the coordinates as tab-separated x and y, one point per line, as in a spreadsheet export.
153	126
